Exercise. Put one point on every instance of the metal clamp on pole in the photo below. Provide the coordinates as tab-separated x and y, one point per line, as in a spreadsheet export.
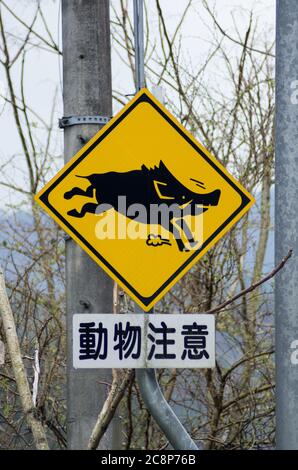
67	121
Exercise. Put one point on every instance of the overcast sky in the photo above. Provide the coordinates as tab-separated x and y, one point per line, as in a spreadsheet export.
43	69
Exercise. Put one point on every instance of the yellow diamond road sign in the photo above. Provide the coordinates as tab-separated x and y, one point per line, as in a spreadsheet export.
144	199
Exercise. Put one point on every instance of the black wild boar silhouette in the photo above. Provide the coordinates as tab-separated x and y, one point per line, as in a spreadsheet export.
146	187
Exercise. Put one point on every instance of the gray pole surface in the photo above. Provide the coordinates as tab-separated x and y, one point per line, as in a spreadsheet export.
86	91
138	12
161	411
151	393
286	223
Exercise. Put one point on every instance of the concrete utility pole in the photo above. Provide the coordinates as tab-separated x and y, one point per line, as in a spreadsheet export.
86	92
286	223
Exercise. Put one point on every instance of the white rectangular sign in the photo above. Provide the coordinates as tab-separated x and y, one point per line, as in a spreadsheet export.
143	341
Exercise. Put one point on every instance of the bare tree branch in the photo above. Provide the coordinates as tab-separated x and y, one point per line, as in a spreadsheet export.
116	393
253	286
19	369
253	49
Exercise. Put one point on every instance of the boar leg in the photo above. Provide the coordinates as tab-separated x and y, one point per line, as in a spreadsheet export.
79	192
90	207
186	230
176	235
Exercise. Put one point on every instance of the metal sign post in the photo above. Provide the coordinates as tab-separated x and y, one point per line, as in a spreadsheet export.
151	393
139	44
161	411
286	223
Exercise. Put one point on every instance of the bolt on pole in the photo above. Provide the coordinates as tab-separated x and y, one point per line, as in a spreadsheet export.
286	223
